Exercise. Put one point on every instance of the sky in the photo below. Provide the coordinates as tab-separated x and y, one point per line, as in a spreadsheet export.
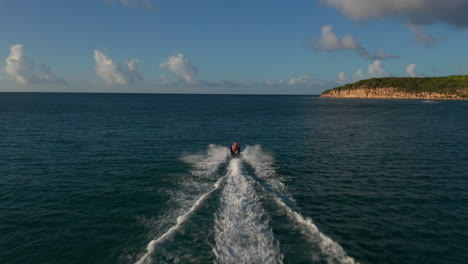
226	47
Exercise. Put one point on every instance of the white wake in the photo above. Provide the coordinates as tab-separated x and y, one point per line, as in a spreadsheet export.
204	166
263	164
242	231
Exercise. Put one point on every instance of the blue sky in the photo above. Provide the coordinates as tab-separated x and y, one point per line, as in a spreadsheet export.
213	46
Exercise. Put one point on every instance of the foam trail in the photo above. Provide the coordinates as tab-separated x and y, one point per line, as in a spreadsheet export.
330	251
203	166
242	231
263	164
180	220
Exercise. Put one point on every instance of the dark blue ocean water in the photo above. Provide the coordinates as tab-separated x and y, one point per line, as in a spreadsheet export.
122	178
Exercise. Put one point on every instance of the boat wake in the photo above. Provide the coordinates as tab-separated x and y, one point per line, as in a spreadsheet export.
326	249
242	231
204	167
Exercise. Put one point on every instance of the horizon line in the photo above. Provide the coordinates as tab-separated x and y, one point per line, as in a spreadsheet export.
146	93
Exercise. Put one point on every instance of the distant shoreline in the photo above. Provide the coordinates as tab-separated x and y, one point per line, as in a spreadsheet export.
430	88
388	93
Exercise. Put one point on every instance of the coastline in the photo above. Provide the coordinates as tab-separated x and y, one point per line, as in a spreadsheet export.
388	93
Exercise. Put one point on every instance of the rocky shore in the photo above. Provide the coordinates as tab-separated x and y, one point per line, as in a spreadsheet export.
453	87
388	93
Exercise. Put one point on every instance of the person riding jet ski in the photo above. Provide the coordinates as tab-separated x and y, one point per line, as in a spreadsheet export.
235	149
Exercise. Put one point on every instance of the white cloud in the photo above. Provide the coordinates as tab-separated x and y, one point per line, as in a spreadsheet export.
22	69
348	42
342	78
330	41
303	80
359	75
420	35
411	70
414	11
19	66
134	3
464	71
116	73
182	68
376	69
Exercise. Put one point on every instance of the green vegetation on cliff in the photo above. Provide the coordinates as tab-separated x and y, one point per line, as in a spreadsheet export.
456	85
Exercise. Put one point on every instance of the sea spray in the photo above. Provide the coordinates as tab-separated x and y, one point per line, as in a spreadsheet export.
205	165
242	231
329	250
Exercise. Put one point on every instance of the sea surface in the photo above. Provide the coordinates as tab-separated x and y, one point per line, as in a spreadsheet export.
147	178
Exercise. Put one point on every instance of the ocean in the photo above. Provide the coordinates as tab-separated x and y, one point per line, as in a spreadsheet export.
148	178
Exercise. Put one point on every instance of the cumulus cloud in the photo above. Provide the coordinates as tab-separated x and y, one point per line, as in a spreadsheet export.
134	3
359	75
463	71
342	77
419	12
376	69
182	68
22	69
411	70
421	36
330	41
116	73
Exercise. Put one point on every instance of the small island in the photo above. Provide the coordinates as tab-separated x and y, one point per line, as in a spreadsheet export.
450	87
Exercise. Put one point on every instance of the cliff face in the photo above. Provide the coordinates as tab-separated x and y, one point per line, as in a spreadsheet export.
389	93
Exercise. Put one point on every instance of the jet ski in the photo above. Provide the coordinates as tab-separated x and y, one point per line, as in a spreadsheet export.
235	150
235	153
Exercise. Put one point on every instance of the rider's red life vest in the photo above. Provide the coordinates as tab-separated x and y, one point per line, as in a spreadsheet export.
235	146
